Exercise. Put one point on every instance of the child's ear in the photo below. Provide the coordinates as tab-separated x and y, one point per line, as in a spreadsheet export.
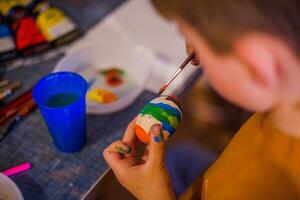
257	55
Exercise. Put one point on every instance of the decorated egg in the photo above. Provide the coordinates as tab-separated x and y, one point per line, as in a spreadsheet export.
165	111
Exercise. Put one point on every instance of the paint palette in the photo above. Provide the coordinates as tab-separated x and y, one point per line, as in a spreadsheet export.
115	77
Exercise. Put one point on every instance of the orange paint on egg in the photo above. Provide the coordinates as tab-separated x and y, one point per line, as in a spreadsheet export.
142	135
164	111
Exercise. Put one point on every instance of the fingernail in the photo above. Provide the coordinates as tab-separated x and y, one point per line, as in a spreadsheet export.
158	134
123	150
157	139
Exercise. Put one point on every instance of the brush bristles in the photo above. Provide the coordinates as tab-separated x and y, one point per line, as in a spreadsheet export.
162	89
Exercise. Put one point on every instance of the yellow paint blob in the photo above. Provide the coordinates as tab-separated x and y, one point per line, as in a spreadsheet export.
102	96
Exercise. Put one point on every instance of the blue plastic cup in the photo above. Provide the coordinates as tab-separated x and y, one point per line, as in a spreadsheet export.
61	99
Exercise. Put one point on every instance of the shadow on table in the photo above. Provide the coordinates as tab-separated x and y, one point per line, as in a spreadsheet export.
109	189
111	127
28	187
105	127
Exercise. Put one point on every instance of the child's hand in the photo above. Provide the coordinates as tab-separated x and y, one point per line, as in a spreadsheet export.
147	178
189	49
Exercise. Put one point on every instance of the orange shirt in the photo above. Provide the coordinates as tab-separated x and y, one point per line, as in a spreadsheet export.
260	163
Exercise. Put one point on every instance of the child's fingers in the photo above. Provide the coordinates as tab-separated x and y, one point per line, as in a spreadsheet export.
156	147
129	137
118	162
114	153
146	154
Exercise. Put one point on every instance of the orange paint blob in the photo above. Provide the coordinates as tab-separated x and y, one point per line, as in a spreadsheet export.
113	76
114	79
142	135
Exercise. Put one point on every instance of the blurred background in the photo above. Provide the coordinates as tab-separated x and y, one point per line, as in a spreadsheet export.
209	120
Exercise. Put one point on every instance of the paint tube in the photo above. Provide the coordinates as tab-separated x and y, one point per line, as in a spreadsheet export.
58	28
7	44
28	37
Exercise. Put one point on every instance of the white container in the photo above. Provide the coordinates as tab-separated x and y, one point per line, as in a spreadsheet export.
8	189
133	60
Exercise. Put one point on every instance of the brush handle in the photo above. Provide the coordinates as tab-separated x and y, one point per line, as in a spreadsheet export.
9	90
16	103
4	83
14	116
188	60
182	66
27	108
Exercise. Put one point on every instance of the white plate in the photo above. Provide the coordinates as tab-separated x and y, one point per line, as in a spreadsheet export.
134	61
8	189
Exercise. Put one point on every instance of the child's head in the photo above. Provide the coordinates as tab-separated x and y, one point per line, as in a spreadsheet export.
250	48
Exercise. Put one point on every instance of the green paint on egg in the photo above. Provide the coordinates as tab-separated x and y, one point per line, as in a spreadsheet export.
160	114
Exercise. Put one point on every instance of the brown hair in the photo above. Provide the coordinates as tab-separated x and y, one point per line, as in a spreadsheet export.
221	21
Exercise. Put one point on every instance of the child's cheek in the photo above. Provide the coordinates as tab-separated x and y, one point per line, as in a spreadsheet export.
221	81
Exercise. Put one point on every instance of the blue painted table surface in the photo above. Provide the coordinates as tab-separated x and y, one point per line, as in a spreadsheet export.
57	175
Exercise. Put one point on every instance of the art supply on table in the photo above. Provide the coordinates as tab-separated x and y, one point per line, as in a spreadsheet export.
9	90
26	96
14	116
183	65
28	28
18	169
165	111
57	28
28	37
4	128
4	83
60	97
7	44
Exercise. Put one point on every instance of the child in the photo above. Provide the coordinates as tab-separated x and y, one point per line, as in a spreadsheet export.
250	51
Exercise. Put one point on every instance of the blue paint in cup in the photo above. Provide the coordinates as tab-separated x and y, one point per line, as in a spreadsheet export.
61	99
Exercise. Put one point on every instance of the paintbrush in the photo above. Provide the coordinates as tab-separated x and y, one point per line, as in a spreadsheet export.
15	116
18	111
9	90
15	103
4	83
182	66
